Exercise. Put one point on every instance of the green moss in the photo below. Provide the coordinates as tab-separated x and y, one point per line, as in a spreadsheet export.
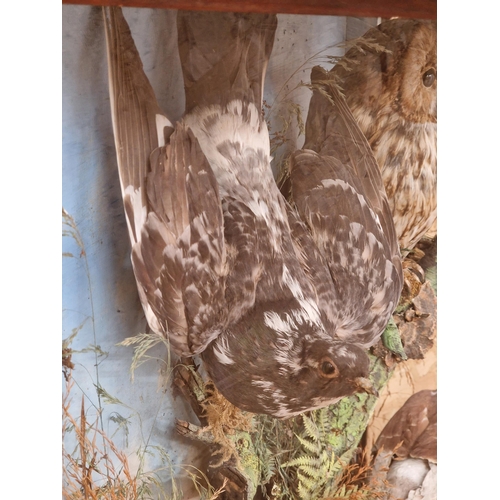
392	340
249	463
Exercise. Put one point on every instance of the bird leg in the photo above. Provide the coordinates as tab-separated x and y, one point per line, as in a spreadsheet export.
414	278
188	382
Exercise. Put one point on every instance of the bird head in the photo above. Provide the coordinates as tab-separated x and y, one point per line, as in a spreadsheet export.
277	365
392	67
412	71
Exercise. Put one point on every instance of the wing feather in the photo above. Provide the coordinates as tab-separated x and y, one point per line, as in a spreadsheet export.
139	124
331	130
338	192
315	268
412	431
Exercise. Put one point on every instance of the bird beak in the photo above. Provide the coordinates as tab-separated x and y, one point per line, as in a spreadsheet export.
366	385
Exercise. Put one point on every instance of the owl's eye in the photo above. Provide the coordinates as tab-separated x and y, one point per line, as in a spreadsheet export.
328	368
429	77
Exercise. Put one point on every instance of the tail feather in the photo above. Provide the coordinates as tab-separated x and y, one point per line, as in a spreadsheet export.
224	56
139	125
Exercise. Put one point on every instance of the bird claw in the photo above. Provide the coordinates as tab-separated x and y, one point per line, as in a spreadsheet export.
193	431
413	279
189	383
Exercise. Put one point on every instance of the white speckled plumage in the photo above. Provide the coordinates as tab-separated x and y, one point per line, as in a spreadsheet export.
338	192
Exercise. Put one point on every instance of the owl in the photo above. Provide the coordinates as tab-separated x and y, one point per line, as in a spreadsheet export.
389	80
225	267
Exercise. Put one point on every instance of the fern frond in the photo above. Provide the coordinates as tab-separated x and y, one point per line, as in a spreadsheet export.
313	472
323	421
308	484
311	428
303	491
310	446
304	461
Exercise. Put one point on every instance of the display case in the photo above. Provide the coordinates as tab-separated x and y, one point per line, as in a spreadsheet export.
129	421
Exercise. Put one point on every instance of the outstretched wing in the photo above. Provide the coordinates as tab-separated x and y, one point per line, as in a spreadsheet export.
337	189
171	204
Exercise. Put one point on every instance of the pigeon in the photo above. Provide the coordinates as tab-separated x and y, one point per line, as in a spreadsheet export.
225	268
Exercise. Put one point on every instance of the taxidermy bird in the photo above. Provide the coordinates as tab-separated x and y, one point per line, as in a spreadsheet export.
389	79
338	194
407	449
224	267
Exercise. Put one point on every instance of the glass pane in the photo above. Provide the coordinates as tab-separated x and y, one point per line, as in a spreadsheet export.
273	225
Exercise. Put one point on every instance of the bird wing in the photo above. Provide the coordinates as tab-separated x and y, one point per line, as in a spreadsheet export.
330	119
412	429
426	445
171	202
313	263
338	191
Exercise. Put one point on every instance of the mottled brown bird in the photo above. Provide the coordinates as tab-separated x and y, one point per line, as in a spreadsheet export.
225	268
389	79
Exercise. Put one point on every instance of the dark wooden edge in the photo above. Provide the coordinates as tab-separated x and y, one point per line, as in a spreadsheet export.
417	9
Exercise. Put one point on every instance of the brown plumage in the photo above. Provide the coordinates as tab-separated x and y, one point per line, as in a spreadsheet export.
412	431
280	306
338	192
389	79
407	448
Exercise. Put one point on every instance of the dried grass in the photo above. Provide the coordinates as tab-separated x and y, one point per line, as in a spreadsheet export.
90	473
96	468
223	418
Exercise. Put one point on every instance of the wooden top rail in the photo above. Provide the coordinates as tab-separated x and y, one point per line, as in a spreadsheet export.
418	9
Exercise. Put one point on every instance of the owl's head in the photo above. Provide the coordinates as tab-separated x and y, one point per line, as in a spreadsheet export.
393	66
412	67
280	364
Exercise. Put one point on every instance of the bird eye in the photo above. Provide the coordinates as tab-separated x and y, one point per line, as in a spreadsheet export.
429	77
328	368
